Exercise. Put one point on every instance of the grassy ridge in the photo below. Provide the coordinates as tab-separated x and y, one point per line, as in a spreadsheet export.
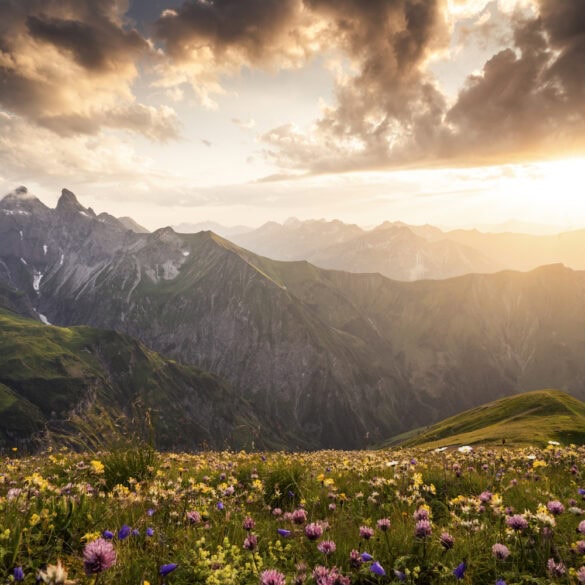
71	380
528	418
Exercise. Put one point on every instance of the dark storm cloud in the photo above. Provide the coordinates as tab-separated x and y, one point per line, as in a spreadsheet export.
251	26
69	66
390	109
527	103
94	46
530	99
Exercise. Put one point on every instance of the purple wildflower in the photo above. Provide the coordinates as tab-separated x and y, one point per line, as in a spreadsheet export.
485	496
299	516
324	576
423	529
377	569
400	575
98	556
500	551
193	517
367	557
355	559
459	570
326	547
272	577
220	506
383	524
251	542
555	569
284	532
517	522
18	574
500	582
149	531
421	514
447	541
124	532
248	523
166	569
108	534
313	531
555	507
366	532
150	511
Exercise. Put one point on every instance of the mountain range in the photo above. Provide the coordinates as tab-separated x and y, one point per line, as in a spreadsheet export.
309	357
409	252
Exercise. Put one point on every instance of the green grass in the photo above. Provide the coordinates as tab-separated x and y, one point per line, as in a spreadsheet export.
195	505
529	418
70	384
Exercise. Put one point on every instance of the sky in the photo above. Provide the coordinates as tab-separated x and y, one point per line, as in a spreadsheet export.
457	113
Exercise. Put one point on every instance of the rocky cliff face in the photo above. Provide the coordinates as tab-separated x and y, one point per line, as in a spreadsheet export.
326	359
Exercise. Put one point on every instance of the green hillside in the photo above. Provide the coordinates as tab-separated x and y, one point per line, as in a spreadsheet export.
531	418
80	383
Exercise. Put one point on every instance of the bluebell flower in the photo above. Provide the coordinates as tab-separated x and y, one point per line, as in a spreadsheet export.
367	557
400	575
149	531
124	532
108	534
377	568
18	574
459	570
220	506
283	532
166	569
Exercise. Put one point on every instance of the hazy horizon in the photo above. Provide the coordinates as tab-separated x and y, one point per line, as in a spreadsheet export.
456	113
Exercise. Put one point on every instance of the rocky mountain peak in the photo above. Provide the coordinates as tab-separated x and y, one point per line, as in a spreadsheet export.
21	200
68	205
68	202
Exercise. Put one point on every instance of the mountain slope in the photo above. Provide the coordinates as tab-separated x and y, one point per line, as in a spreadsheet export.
532	418
62	379
325	358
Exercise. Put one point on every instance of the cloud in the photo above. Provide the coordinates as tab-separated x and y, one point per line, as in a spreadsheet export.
385	104
390	109
245	124
69	66
24	149
204	40
528	100
525	104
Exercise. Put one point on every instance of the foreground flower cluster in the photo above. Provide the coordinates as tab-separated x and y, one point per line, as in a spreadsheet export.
481	516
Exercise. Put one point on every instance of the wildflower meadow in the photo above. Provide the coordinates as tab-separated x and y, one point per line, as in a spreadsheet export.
133	516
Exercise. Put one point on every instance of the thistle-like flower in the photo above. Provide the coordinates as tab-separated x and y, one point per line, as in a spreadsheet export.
98	556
